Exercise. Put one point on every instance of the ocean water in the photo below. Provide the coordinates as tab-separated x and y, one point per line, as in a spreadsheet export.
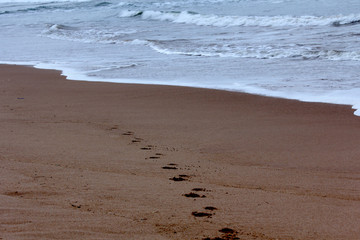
299	49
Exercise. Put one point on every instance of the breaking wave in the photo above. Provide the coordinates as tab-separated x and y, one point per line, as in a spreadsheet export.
346	23
291	51
193	48
187	17
63	32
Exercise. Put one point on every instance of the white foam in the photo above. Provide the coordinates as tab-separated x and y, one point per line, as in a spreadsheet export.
259	52
230	21
62	32
273	51
343	97
56	31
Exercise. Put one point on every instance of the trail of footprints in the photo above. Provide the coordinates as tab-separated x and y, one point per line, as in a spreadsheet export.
226	233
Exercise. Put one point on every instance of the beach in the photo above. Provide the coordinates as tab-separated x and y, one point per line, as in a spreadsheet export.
95	160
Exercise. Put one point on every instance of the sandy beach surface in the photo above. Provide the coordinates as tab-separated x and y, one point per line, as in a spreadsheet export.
86	160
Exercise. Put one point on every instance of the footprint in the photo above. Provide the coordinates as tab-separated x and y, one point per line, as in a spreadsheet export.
169	167
184	175
146	148
194	195
227	230
227	234
210	208
157	156
128	133
180	178
201	214
136	140
74	205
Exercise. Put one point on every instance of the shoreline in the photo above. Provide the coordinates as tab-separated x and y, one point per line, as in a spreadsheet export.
90	160
73	76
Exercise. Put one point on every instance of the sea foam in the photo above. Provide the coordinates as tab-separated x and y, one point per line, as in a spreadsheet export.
187	17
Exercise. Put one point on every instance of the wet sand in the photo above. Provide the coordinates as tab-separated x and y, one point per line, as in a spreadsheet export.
86	160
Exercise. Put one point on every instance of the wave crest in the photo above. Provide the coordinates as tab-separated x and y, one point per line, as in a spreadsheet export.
187	17
64	32
291	51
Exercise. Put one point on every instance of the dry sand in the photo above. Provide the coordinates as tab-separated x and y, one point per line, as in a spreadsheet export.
82	160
